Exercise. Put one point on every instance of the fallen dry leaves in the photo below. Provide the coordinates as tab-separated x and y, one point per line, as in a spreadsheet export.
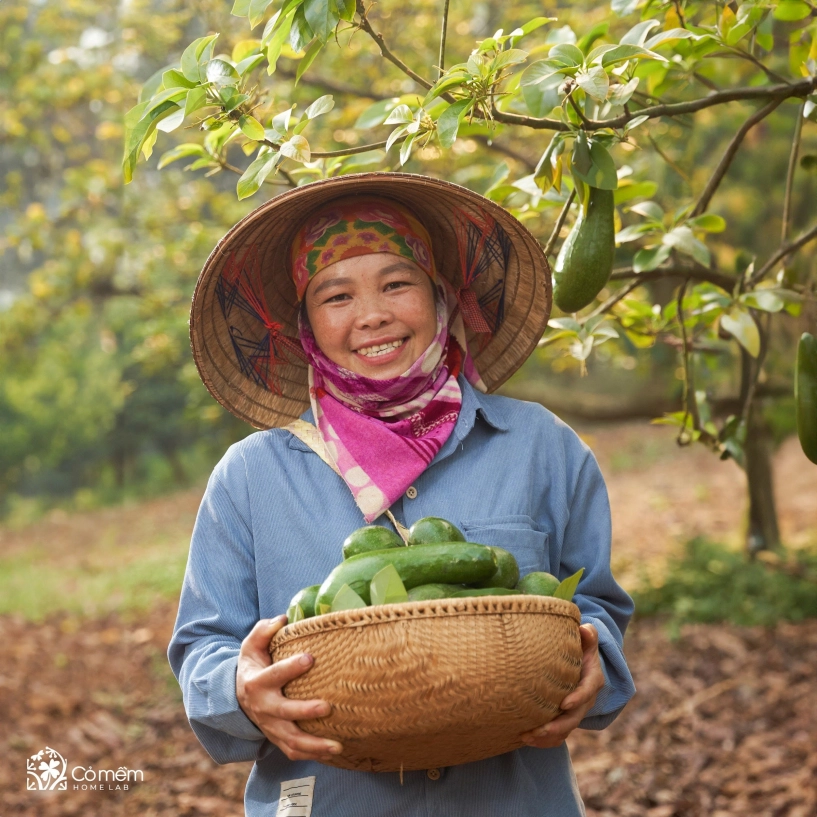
724	723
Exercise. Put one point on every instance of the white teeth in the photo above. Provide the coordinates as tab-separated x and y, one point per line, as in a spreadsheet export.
373	351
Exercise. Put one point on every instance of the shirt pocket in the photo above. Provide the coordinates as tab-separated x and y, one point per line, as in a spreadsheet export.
516	533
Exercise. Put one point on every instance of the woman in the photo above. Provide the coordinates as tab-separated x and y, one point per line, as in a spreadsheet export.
407	300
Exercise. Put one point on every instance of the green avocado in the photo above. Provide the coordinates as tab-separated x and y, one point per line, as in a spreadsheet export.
431	530
538	584
372	537
585	260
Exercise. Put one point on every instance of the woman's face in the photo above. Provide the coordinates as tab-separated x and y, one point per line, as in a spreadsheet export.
358	305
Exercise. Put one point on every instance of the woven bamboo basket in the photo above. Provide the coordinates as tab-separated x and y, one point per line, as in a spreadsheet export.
427	684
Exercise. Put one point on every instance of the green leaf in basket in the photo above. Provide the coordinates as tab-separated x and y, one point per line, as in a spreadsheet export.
387	587
346	599
295	613
567	588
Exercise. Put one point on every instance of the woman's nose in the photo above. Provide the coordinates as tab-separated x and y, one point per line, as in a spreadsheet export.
373	314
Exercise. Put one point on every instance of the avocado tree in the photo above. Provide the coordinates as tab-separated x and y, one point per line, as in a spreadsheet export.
601	91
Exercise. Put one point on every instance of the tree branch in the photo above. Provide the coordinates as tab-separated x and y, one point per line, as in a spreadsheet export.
737	52
614	299
441	65
669	161
366	26
731	150
699	273
501	147
332	85
326	154
801	88
782	252
795	147
559	222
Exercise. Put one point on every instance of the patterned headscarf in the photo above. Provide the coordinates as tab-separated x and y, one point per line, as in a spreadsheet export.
358	226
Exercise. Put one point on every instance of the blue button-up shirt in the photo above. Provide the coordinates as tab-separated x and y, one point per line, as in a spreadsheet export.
272	521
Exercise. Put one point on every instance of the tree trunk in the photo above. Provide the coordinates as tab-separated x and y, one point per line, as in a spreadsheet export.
762	531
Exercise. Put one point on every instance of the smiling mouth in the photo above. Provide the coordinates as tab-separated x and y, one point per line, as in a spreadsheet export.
380	348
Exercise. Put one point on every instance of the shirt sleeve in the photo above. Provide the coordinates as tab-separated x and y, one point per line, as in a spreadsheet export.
602	602
217	609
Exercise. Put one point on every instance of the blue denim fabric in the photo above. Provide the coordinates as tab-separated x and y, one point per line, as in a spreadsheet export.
272	521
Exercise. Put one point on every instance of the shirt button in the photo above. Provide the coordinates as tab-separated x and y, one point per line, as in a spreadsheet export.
411	493
433	774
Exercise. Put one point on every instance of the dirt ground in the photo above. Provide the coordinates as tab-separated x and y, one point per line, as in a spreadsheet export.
724	721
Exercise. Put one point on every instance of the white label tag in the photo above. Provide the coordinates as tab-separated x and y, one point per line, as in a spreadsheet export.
296	798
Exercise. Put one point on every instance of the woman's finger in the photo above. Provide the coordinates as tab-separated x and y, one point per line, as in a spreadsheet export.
289	734
288	709
256	644
282	672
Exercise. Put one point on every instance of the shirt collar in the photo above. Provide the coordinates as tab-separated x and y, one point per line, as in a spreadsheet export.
473	402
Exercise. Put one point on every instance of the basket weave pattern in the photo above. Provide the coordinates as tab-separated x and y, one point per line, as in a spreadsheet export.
435	683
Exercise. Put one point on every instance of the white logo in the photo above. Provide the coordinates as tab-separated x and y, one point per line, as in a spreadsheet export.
46	771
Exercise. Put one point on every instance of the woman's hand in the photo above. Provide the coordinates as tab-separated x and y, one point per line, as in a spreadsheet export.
258	686
579	702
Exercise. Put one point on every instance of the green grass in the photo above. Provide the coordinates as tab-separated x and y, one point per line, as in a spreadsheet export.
710	583
34	584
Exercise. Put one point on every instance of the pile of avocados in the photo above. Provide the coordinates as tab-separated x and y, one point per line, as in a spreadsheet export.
436	562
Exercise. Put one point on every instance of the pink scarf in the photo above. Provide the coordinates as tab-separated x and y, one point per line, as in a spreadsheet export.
382	434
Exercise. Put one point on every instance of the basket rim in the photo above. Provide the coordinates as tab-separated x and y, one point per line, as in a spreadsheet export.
431	608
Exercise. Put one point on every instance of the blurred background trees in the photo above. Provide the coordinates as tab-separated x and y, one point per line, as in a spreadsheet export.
99	396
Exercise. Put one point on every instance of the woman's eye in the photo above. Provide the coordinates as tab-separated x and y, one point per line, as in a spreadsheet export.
336	298
394	284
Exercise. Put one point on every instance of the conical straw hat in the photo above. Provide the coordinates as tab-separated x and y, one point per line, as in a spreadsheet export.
244	316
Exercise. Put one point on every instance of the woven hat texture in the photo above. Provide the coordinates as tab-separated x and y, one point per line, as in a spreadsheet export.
243	320
429	684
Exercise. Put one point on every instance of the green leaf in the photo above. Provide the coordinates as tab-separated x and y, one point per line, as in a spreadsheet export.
443	85
646	260
650	210
136	133
540	84
664	37
277	41
176	79
635	122
241	8
567	54
308	58
181	152
449	122
683	239
741	325
399	115
375	114
280	122
171	94
395	135
347	599
360	160
150	141
632	233
567	587
766	300
639	32
595	83
249	63
320	106
256	11
253	177
251	127
295	613
625	192
622	53
601	171
387	587
511	56
196	99
346	9
791	10
300	34
169	123
708	221
620	94
297	148
221	73
405	149
195	54
322	18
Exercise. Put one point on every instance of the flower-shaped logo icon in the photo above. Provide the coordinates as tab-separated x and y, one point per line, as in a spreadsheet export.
49	773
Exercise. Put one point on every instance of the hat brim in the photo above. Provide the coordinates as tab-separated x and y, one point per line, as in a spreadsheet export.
514	287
